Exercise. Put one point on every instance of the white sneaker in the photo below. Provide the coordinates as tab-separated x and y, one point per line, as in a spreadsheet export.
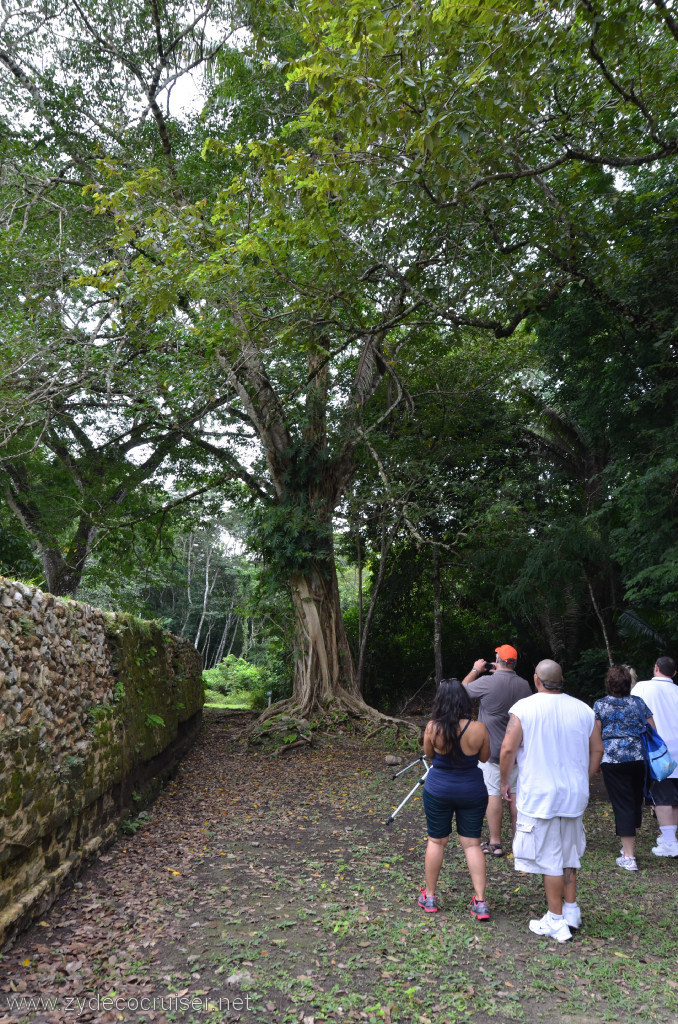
572	916
629	863
557	930
664	849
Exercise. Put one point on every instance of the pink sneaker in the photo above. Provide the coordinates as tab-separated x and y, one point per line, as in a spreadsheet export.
427	903
480	910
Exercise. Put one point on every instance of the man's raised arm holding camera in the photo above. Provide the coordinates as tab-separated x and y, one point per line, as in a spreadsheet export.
498	687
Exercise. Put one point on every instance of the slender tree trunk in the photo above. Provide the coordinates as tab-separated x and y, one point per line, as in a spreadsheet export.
189	607
386	545
235	633
437	616
207	593
206	644
245	638
601	620
360	589
224	636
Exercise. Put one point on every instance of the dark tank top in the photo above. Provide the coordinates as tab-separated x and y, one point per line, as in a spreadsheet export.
465	762
448	778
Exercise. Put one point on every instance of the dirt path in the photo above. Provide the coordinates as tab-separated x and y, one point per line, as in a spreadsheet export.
266	889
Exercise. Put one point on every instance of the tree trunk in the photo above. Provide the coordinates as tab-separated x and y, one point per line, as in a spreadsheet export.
238	622
360	588
325	678
386	545
207	593
61	579
224	636
189	606
246	634
324	669
63	574
601	620
437	617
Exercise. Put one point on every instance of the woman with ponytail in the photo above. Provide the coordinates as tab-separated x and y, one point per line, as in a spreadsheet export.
455	786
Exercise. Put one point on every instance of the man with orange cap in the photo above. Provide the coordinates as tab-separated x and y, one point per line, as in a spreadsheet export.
497	687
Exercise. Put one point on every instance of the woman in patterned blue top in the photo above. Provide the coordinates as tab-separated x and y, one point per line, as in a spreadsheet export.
620	721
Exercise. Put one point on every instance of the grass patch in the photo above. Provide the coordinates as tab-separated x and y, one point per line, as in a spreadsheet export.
241	701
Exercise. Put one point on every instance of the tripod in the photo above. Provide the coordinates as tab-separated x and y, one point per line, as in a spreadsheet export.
420	760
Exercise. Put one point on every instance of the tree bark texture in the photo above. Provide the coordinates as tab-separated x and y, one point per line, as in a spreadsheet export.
61	577
63	573
324	669
305	477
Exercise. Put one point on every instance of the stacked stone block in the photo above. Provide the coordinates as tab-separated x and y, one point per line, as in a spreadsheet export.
93	707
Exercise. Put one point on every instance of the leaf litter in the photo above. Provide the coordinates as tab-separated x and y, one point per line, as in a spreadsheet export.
266	889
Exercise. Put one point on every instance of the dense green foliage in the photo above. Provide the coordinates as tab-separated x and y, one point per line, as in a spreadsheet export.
406	285
237	678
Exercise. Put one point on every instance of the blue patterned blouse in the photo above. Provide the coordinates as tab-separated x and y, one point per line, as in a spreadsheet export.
623	719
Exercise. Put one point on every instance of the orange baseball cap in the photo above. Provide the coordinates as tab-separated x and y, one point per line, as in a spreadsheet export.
506	652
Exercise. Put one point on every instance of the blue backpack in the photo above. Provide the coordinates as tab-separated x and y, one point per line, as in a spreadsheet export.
658	759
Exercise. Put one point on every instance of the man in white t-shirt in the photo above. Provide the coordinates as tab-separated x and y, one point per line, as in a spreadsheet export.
551	735
661	696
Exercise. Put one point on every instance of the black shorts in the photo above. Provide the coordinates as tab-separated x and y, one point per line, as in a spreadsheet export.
440	811
665	793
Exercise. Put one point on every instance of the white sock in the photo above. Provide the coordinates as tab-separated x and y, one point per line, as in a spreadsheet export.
570	906
555	917
668	834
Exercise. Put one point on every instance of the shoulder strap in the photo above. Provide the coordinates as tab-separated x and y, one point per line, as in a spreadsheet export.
465	728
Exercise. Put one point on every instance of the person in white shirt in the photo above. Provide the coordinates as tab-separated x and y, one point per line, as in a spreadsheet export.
551	736
661	696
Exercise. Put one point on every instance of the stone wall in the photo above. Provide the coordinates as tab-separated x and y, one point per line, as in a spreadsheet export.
95	710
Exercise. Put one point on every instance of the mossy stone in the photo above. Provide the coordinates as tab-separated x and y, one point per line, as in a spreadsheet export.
44	804
12	803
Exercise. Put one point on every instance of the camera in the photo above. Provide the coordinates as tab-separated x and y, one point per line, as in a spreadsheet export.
489	665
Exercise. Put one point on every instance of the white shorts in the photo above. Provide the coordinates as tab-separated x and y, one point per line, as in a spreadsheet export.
544	846
491	774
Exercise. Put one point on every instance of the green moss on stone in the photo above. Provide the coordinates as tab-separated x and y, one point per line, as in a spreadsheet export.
13	798
44	804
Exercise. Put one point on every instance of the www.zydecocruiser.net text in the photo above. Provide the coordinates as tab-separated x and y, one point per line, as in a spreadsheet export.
77	1005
